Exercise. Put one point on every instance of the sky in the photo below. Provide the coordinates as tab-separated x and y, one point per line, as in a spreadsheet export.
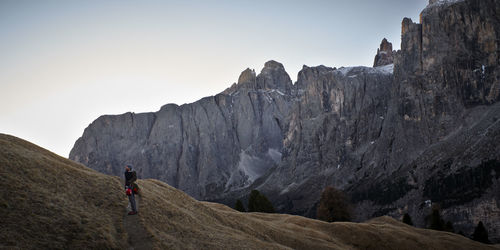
65	63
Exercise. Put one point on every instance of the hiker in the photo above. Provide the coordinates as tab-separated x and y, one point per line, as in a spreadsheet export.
130	178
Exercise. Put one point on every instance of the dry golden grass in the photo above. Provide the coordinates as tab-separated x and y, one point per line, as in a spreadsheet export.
177	221
51	202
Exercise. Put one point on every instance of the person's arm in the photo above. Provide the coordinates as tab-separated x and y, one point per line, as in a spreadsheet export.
134	177
129	178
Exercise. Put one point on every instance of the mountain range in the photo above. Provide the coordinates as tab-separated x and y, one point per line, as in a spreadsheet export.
419	129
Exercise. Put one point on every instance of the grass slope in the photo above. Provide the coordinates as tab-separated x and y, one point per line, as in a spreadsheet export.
52	202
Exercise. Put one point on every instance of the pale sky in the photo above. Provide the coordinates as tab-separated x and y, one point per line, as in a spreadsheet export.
64	63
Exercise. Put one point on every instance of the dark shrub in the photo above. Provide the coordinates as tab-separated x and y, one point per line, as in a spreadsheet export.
435	221
258	202
407	219
333	206
449	227
480	234
239	206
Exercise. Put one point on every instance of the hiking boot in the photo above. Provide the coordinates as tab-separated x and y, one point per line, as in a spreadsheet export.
132	212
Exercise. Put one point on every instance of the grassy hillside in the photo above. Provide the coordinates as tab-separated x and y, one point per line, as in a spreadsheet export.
178	221
51	202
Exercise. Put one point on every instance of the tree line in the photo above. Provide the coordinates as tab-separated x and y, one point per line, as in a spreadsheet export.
257	202
435	222
334	205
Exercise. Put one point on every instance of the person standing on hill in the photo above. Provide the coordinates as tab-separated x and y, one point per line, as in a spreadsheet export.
130	178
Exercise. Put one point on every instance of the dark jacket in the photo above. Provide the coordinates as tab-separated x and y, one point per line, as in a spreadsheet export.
130	177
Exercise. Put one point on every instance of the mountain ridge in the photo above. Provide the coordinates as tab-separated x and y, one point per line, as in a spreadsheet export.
388	129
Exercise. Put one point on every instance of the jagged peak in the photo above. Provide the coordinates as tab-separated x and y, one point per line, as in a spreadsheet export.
271	67
248	75
384	54
385	45
271	64
406	25
272	76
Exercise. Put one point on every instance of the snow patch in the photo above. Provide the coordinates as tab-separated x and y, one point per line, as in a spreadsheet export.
428	203
249	166
345	70
440	3
285	190
275	155
386	69
268	98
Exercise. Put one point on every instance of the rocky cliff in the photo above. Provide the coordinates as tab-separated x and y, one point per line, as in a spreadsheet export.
219	143
396	137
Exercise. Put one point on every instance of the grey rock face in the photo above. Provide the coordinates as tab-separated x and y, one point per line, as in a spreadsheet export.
335	123
216	144
396	138
437	138
448	101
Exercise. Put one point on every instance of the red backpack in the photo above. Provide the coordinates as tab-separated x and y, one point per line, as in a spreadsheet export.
135	188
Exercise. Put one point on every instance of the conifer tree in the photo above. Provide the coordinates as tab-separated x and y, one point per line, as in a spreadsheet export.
436	222
239	206
407	219
480	234
258	202
333	206
449	227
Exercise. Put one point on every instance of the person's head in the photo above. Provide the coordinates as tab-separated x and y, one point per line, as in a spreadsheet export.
128	168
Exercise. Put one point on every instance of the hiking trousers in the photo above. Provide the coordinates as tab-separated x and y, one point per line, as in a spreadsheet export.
131	198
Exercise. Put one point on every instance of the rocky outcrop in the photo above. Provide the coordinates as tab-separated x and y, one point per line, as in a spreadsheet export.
272	77
384	54
397	137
